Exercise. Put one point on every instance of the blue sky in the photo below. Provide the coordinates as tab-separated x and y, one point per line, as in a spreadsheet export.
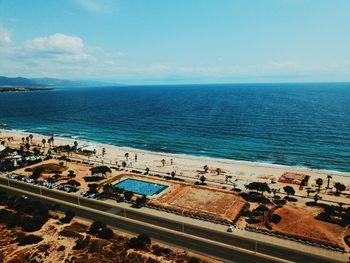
182	41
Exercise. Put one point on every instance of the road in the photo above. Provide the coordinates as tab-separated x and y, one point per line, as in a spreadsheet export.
226	246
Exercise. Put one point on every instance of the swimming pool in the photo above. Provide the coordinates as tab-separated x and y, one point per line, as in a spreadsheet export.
140	187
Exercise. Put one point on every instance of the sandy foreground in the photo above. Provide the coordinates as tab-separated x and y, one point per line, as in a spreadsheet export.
242	172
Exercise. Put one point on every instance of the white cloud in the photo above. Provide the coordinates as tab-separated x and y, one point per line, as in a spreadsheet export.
57	46
56	43
5	37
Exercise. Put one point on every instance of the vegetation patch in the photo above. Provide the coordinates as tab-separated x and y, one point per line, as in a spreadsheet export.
50	168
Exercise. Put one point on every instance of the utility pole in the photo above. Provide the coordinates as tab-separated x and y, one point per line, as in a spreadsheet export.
78	200
256	246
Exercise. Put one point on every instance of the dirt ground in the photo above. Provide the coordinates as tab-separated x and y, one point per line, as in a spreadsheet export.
81	170
300	221
217	203
58	247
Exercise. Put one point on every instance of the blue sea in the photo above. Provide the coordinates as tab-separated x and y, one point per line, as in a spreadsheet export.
291	124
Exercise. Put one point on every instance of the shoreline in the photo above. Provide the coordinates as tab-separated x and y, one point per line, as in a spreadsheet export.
184	156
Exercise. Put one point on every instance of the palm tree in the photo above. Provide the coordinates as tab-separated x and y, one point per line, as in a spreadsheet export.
173	173
31	138
308	191
319	183
316	198
329	177
126	156
52	139
75	146
163	162
202	178
206	168
49	142
27	146
103	151
218	171
43	141
71	174
23	140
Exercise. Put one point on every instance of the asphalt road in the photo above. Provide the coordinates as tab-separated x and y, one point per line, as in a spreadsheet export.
226	251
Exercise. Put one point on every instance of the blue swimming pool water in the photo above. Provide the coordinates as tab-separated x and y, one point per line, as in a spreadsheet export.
141	187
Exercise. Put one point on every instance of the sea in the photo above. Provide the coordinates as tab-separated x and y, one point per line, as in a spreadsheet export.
294	124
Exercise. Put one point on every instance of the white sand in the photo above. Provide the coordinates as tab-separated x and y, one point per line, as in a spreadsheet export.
243	172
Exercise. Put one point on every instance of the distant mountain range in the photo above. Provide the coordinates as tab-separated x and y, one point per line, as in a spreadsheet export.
49	82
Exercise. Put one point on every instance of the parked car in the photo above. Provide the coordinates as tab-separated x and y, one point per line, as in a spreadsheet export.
230	228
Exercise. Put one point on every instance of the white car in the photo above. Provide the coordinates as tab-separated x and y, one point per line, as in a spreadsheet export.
230	228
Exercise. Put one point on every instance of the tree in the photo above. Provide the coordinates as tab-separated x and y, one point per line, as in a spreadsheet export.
206	168
140	201
108	190
339	187
173	174
71	174
31	138
93	188
43	141
37	173
73	183
319	183
105	233
100	170
27	146
96	226
56	176
126	156
316	198
52	140
329	177
259	187
36	151
140	242
289	190
68	217
23	140
75	146
103	151
202	178
218	171
128	195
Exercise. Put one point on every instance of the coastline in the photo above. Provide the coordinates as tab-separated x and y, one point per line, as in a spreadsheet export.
242	172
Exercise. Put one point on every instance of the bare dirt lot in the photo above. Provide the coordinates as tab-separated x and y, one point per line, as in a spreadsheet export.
217	203
300	221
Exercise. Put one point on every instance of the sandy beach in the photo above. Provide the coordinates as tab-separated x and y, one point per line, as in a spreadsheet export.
242	172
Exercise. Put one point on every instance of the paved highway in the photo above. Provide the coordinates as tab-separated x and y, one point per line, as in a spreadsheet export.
222	247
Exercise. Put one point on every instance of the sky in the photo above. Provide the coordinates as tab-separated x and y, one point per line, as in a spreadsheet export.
182	41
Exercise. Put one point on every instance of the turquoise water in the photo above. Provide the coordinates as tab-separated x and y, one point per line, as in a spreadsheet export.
291	124
140	187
